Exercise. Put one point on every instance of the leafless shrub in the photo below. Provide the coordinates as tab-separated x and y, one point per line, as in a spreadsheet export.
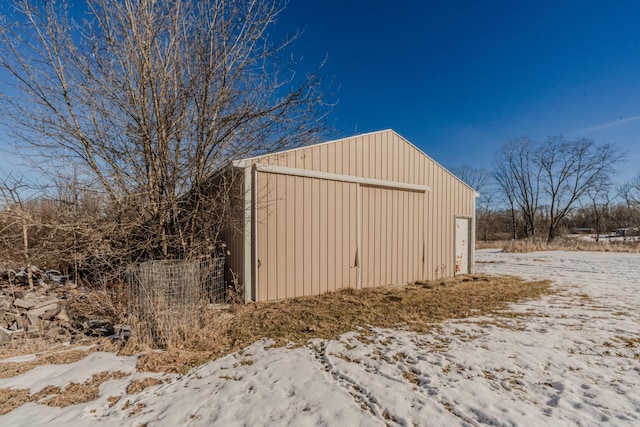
136	110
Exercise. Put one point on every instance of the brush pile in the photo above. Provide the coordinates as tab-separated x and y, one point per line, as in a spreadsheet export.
50	306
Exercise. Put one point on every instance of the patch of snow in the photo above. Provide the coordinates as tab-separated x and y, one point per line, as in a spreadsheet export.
64	374
20	359
571	358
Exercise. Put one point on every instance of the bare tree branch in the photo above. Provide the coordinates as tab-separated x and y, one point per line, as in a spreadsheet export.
143	100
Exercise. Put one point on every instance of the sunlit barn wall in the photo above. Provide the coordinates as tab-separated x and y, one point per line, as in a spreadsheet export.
307	235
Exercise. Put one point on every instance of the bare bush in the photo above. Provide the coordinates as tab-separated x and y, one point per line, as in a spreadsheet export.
135	104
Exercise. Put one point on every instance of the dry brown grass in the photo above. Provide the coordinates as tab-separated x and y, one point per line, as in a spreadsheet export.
71	394
417	307
138	385
10	399
11	369
521	246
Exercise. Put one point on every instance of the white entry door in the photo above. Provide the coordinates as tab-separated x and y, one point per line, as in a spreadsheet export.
463	228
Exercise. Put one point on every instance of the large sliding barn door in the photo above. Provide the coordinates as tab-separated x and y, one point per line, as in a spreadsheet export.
307	237
392	236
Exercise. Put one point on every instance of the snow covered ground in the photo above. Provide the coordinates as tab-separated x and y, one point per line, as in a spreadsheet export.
572	358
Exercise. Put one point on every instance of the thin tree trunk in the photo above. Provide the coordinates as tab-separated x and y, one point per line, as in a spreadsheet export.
25	246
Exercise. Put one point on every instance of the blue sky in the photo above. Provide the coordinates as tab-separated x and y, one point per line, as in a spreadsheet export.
459	78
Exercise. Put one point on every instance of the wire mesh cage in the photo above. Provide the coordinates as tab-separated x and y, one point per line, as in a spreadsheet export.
165	295
178	282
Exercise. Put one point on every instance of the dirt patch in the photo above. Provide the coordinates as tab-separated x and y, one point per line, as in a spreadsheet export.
417	307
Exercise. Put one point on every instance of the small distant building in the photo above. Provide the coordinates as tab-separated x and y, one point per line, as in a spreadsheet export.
358	212
583	230
623	232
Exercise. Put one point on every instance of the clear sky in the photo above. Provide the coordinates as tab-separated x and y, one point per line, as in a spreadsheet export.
459	78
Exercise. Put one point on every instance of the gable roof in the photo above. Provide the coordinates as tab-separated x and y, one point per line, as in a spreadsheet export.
248	161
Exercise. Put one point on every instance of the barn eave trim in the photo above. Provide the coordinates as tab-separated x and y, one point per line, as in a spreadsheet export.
371	182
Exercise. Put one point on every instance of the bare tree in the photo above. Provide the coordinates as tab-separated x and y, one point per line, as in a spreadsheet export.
518	173
146	99
631	191
599	197
570	170
479	179
545	180
17	218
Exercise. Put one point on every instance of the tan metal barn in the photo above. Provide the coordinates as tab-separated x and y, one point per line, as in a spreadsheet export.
357	212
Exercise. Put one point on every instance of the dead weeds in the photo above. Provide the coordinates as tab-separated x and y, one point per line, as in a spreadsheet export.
138	385
10	399
417	307
72	394
12	369
568	244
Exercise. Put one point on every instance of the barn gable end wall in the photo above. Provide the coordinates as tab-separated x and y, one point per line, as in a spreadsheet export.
319	235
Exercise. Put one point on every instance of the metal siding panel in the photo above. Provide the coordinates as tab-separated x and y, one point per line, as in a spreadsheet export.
417	233
365	237
315	236
371	258
340	238
324	158
339	158
331	235
280	214
438	225
261	213
430	235
394	238
322	237
300	212
290	226
407	162
423	218
422	247
345	158
448	226
353	233
272	239
360	154
331	156
412	165
384	231
390	209
366	158
392	158
423	223
411	236
289	159
376	255
405	237
379	158
266	255
308	237
384	149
